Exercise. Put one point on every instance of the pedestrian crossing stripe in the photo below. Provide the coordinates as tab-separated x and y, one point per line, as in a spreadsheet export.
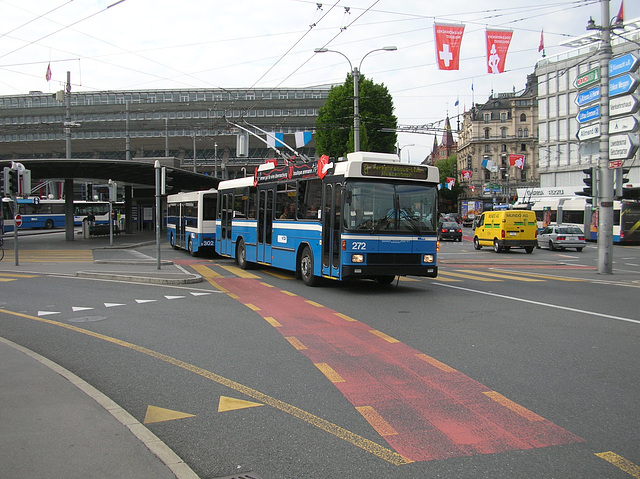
52	256
465	276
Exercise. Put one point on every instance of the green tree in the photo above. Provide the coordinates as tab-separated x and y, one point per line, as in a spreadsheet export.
334	125
448	197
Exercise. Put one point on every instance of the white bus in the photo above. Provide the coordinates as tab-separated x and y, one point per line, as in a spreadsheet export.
191	220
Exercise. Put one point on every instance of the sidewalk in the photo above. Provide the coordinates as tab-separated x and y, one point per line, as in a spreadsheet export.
53	423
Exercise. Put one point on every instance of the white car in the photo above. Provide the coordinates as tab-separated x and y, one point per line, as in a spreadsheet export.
561	237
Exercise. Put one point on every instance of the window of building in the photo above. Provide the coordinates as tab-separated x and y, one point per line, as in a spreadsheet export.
503	132
487	117
519	132
487	148
503	117
486	132
523	147
523	117
503	148
526	132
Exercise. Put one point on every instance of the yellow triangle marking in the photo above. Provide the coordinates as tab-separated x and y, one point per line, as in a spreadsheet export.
158	414
231	404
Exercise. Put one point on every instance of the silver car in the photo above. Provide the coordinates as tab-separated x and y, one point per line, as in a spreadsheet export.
561	237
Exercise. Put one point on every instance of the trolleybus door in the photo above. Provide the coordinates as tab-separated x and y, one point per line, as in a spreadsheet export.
331	224
266	203
225	223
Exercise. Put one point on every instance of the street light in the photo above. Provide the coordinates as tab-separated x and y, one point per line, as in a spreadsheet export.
355	72
400	148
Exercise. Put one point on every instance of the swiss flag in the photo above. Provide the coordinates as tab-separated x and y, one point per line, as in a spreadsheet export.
448	40
48	74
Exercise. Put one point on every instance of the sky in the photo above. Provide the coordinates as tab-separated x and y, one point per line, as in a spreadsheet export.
163	44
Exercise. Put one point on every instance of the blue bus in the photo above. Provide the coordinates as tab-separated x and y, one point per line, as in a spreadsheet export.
40	213
191	220
367	217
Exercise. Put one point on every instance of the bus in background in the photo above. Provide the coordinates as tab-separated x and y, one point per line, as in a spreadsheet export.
191	220
575	211
48	214
369	217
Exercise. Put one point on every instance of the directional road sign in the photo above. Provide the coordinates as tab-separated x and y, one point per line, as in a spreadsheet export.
623	124
588	96
588	78
623	64
623	84
623	105
588	132
622	147
588	114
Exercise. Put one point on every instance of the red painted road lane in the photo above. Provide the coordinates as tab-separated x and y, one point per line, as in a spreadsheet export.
424	409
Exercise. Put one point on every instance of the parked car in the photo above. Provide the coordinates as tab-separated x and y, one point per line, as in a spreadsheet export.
450	230
561	237
468	220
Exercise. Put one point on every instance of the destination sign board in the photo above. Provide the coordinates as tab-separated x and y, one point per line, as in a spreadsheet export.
622	147
623	124
623	64
588	114
622	84
589	132
588	78
588	96
623	105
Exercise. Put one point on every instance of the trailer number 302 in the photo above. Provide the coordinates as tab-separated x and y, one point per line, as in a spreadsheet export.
359	245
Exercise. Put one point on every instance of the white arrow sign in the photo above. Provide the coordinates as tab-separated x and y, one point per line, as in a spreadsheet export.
623	124
622	147
589	132
623	105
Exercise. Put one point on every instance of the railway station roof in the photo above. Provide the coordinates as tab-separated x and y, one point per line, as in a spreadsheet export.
136	173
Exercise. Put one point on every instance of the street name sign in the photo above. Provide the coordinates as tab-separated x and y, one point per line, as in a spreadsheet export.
588	132
588	96
622	84
623	105
588	114
622	147
623	64
588	78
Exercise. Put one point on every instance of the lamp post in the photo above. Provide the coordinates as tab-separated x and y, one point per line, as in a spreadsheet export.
355	73
400	148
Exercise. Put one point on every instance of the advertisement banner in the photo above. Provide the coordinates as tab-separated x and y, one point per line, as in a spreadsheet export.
448	40
497	46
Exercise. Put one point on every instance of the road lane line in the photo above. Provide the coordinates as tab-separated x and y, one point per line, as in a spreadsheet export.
329	427
465	276
436	363
508	403
295	342
377	421
540	303
329	372
499	275
621	463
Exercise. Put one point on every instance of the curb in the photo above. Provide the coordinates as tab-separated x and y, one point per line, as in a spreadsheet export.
149	439
191	279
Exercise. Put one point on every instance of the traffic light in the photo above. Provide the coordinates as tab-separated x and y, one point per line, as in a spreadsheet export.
10	181
621	180
1	183
591	190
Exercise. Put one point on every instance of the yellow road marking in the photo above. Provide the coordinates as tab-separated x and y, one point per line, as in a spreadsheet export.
15	275
509	404
6	280
232	404
465	276
205	271
621	463
377	421
277	274
345	317
239	272
543	276
52	256
329	372
272	322
313	303
498	275
295	342
253	307
159	414
337	431
436	363
386	337
405	278
288	293
267	285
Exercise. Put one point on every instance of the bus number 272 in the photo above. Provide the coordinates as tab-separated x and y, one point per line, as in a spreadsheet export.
359	245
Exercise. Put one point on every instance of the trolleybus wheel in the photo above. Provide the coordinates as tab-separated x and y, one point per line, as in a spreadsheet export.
385	279
190	246
48	224
306	268
241	255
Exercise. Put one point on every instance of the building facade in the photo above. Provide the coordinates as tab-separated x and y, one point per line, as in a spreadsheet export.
562	156
505	125
191	126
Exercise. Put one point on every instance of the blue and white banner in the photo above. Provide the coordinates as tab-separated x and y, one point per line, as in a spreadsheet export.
275	140
302	138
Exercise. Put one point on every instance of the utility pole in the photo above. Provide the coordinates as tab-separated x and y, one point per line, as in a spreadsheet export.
605	175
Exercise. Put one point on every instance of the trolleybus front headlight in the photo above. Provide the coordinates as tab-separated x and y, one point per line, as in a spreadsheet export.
357	258
427	258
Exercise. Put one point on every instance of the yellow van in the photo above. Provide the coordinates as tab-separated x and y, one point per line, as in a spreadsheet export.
506	229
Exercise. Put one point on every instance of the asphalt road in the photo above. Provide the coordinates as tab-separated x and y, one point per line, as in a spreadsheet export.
509	365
